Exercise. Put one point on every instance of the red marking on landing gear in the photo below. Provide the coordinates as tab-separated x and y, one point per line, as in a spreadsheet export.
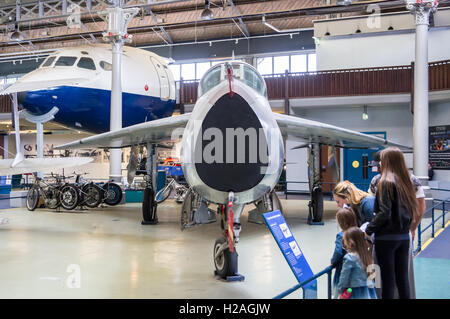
230	232
146	87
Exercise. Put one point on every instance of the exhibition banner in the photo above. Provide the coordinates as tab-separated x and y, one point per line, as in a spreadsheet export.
439	155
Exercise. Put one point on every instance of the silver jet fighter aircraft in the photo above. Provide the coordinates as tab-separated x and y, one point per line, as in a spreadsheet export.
232	149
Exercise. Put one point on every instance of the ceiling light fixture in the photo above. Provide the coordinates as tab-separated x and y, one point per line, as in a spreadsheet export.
207	14
16	36
365	115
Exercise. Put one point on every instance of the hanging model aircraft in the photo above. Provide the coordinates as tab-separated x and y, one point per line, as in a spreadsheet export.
72	87
232	148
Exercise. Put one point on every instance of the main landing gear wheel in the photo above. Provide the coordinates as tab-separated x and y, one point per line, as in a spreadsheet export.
317	205
149	206
224	261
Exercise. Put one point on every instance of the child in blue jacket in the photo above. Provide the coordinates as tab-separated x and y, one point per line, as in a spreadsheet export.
345	218
354	273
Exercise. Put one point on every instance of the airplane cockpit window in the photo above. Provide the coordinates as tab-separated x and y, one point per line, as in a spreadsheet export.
254	80
210	79
86	63
49	61
249	76
66	61
241	72
106	66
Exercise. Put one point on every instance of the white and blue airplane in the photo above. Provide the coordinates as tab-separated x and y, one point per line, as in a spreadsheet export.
74	85
78	82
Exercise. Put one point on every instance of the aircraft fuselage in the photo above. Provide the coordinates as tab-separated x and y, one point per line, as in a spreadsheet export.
148	89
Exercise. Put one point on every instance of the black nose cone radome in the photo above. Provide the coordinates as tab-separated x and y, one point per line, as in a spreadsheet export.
234	152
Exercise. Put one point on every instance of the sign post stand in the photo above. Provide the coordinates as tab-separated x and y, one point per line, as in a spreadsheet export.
291	252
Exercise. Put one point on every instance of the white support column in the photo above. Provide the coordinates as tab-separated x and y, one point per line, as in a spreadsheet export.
117	19
40	142
16	121
421	11
421	108
5	146
115	168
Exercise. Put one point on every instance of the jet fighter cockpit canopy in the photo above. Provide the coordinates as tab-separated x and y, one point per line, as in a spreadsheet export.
241	71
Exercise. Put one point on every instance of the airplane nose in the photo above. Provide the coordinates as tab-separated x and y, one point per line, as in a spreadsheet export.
34	103
237	163
21	97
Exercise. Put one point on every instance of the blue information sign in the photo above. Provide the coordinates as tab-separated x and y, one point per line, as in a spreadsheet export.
290	248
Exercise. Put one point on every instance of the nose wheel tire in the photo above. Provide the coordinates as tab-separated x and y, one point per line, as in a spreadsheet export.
224	261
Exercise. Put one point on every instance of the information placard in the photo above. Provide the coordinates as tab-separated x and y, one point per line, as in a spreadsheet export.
289	247
440	147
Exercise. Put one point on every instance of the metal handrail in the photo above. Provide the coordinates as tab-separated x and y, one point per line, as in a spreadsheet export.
327	270
365	185
4	198
440	189
420	231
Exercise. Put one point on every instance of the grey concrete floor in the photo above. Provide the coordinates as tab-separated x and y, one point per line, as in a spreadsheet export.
107	251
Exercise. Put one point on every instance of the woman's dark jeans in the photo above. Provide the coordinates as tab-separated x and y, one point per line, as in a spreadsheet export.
392	257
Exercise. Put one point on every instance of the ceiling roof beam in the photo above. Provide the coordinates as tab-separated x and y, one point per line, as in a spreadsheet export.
57	9
169	39
236	11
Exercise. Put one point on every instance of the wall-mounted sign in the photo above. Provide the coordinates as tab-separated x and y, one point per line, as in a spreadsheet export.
439	155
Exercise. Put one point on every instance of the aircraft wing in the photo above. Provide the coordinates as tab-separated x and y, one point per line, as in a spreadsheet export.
30	165
318	132
40	85
155	131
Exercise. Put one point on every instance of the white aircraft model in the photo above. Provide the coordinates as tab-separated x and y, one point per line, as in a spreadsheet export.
232	147
73	87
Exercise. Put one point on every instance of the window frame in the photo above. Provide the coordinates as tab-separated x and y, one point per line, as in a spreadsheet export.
86	58
66	56
109	65
53	57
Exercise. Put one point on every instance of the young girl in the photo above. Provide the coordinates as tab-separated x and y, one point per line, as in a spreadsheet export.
354	271
345	218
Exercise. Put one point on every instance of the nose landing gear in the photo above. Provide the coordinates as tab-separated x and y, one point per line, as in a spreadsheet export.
225	255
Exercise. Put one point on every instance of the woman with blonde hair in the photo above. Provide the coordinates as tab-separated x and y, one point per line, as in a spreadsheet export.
396	213
346	193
